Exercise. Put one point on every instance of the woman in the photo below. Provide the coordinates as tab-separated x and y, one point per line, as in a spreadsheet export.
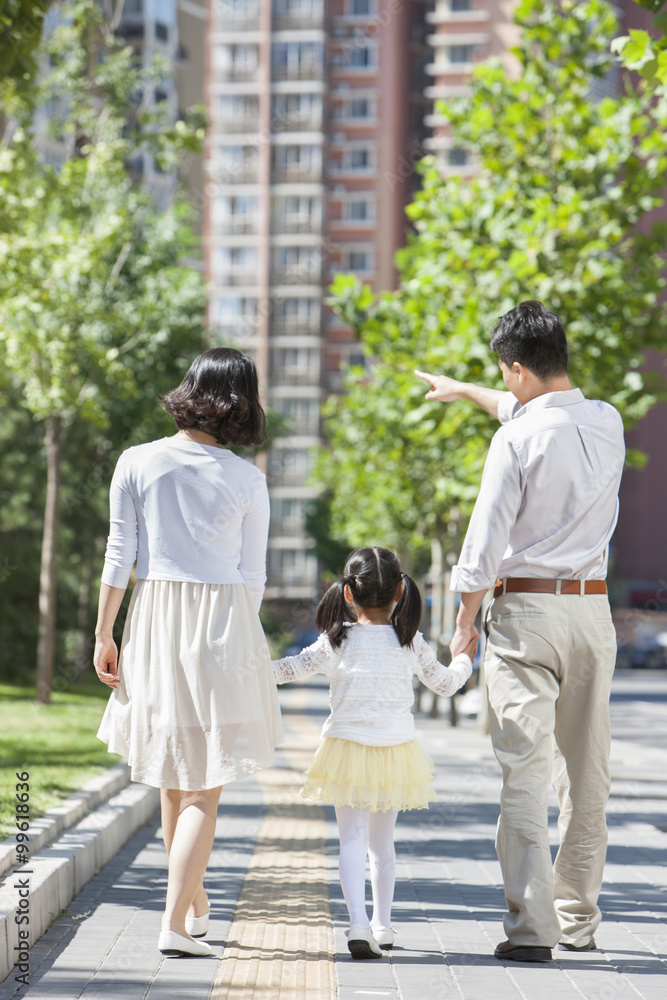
194	703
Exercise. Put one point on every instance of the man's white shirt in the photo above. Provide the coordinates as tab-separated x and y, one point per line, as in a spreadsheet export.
548	502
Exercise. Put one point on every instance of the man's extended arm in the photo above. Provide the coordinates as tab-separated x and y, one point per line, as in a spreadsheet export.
446	390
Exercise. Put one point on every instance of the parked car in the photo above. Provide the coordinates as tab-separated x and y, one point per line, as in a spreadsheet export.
649	652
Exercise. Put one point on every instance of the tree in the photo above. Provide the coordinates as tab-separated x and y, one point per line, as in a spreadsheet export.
92	291
553	213
644	53
21	23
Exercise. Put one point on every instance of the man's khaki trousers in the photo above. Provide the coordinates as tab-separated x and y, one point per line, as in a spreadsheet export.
549	662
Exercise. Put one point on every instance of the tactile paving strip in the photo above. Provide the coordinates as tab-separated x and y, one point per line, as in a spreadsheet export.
280	944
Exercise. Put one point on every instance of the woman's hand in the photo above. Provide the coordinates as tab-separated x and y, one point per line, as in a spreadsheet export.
105	661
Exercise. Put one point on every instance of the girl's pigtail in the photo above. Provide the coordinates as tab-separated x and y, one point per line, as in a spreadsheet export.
332	612
408	612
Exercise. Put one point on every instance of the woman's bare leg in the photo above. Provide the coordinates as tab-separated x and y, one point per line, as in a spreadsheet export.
170	802
188	832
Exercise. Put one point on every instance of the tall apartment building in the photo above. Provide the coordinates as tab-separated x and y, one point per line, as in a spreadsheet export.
317	109
464	32
310	111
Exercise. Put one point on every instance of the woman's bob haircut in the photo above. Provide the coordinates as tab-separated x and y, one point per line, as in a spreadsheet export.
220	396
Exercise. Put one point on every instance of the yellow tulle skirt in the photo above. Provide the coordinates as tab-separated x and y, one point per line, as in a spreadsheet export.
344	773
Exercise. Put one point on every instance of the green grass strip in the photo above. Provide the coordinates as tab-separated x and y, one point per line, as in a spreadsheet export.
56	743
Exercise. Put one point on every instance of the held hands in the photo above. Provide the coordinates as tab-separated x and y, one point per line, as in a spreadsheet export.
471	648
443	388
105	661
464	640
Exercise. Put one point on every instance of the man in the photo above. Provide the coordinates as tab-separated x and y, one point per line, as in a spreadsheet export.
545	513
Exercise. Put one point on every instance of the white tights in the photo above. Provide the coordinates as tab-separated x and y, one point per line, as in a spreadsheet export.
365	833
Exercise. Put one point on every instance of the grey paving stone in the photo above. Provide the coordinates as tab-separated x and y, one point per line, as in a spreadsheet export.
449	899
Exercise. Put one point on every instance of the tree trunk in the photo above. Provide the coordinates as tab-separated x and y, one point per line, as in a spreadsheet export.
83	656
47	577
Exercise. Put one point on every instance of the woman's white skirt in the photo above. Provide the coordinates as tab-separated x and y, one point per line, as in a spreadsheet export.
197	705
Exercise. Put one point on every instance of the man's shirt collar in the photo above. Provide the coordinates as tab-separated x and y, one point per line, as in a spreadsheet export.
562	397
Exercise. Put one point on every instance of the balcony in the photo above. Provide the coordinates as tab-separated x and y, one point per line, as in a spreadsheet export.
282	580
236	277
236	225
241	328
296	174
237	123
297	275
279	73
236	74
294	376
444	15
281	224
298	19
231	20
295	327
288	477
287	529
293	121
241	173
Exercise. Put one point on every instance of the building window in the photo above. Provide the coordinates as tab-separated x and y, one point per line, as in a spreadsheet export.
461	53
457	157
238	107
296	6
161	32
288	109
133	7
359	159
297	59
236	265
360	56
359	260
298	310
359	108
360	210
459	5
360	8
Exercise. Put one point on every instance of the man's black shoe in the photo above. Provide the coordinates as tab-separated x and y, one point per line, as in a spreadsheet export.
522	952
591	946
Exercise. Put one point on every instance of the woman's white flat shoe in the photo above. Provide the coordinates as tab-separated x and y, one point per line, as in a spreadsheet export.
176	946
385	937
197	926
361	942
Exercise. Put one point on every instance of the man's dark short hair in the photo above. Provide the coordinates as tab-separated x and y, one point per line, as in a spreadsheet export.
534	337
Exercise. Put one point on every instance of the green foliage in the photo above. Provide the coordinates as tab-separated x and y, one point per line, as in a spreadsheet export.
645	53
98	313
555	212
331	552
21	24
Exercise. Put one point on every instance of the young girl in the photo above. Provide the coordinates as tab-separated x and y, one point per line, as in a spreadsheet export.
369	763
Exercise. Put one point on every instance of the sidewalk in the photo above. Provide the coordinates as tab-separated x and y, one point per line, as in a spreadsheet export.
277	906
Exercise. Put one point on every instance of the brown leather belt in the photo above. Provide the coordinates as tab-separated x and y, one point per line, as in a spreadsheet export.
531	585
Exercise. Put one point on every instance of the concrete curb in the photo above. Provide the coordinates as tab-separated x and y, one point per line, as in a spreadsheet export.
44	887
51	824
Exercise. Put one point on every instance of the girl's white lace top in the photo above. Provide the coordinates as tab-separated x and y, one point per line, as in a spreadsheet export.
187	511
370	678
